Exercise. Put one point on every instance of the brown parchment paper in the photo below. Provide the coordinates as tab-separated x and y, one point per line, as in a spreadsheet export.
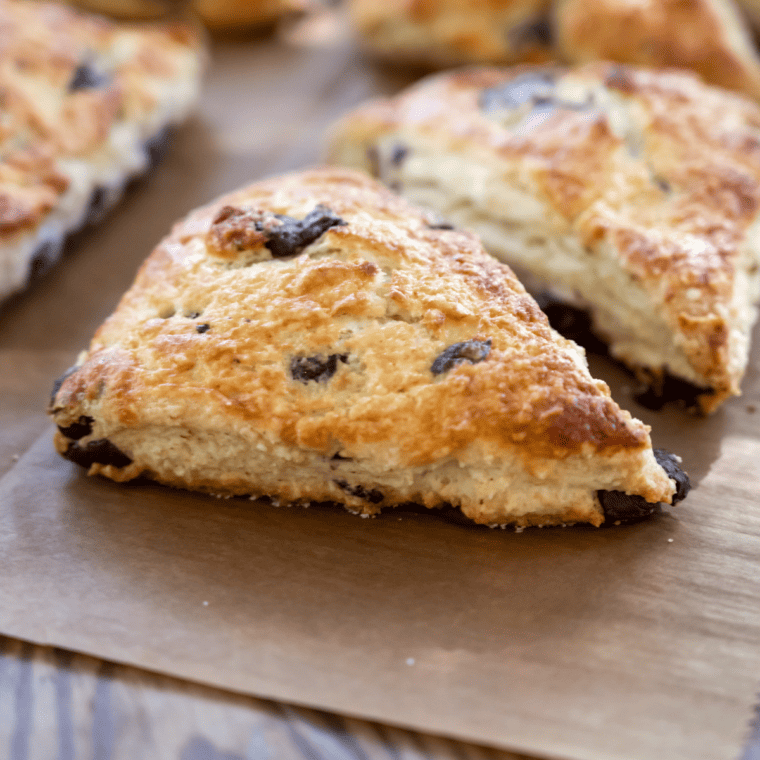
640	642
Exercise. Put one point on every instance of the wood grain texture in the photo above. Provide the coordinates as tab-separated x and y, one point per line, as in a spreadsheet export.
55	705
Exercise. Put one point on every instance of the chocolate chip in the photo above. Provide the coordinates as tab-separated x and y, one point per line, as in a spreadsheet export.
98	204
202	328
373	496
625	509
293	235
78	429
472	351
570	322
193	314
317	368
672	468
86	77
101	451
60	381
44	258
155	147
337	456
398	154
662	183
536	31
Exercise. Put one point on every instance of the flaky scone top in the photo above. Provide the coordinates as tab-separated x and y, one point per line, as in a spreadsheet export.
392	334
67	79
654	166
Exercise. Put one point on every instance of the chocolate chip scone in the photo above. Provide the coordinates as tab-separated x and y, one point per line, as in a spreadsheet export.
313	337
451	32
86	104
633	193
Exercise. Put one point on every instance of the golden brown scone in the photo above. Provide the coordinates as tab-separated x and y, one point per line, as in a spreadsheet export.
707	36
631	192
449	32
85	103
313	337
227	14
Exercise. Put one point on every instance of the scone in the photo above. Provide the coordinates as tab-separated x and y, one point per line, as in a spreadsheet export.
313	338
450	32
633	193
85	104
228	14
710	37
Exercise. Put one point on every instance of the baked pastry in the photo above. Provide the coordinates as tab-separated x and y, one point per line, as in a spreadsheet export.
86	103
227	14
450	32
710	37
633	193
313	337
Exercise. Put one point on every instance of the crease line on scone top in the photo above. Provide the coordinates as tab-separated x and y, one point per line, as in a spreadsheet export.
630	193
315	338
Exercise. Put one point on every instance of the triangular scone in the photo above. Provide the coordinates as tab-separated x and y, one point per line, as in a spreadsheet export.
633	192
313	337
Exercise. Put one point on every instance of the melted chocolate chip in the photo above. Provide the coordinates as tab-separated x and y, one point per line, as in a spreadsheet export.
398	154
155	147
620	507
202	328
533	32
472	351
570	322
292	236
373	496
673	470
60	381
86	77
101	451
44	258
625	509
78	429
337	456
317	368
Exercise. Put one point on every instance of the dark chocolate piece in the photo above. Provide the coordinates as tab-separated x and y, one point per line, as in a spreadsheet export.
472	351
205	327
78	429
337	456
101	451
373	496
293	235
673	470
155	147
534	31
60	381
87	77
398	154
570	322
317	368
624	509
44	257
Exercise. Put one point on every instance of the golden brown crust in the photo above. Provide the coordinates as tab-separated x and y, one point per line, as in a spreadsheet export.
64	87
226	14
209	343
660	169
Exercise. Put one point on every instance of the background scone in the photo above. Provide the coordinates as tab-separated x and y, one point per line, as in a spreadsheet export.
711	37
85	102
451	32
313	337
633	193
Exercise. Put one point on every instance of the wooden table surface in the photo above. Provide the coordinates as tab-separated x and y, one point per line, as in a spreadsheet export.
57	705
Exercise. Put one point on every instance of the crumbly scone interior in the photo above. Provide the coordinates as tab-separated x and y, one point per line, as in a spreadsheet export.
647	218
390	360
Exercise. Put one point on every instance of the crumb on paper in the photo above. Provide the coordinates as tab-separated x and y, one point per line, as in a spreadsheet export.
670	540
205	604
410	660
